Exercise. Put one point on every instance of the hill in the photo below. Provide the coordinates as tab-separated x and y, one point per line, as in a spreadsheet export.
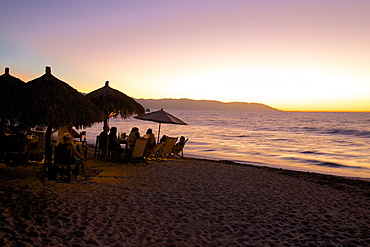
189	104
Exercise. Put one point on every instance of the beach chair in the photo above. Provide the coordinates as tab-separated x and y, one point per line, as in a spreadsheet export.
156	151
179	150
168	147
138	153
63	163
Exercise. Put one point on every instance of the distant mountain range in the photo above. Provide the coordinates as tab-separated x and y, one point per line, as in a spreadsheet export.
189	104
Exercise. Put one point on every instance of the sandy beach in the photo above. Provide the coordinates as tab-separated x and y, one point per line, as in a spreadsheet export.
182	202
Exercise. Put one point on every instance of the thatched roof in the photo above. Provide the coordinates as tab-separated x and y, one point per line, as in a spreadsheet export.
8	85
114	102
49	101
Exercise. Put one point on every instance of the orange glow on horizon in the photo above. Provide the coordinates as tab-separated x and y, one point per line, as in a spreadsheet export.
290	55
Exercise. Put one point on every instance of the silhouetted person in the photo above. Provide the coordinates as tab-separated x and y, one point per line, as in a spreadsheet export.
78	159
134	134
163	138
114	144
151	139
179	145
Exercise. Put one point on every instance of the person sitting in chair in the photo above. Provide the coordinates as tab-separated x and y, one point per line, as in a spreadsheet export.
114	144
78	159
134	134
179	146
163	138
151	139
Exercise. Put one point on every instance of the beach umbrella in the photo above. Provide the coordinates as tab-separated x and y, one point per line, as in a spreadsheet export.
51	102
114	103
160	117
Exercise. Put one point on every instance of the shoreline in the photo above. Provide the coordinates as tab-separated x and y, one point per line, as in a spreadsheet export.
283	167
183	202
315	177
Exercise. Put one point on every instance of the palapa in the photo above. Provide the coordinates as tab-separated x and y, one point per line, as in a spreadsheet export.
53	103
114	103
49	101
8	85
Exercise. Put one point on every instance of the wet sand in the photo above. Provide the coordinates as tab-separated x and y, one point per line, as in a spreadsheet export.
183	202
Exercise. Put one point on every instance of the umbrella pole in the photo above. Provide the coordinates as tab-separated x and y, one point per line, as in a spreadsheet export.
159	131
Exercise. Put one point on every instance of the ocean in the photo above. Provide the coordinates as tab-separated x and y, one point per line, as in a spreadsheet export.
328	143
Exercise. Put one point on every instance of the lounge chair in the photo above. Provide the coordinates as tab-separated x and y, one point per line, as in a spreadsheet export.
168	147
179	150
138	154
156	151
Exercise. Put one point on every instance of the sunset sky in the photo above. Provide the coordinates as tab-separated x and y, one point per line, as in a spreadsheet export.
296	55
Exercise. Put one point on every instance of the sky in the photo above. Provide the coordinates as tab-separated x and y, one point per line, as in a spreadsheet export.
294	55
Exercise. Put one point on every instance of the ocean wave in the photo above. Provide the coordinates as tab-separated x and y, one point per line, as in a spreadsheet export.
243	136
324	163
336	165
351	132
310	128
308	152
314	152
280	139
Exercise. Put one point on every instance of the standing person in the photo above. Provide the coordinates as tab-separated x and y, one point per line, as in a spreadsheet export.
66	144
151	139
